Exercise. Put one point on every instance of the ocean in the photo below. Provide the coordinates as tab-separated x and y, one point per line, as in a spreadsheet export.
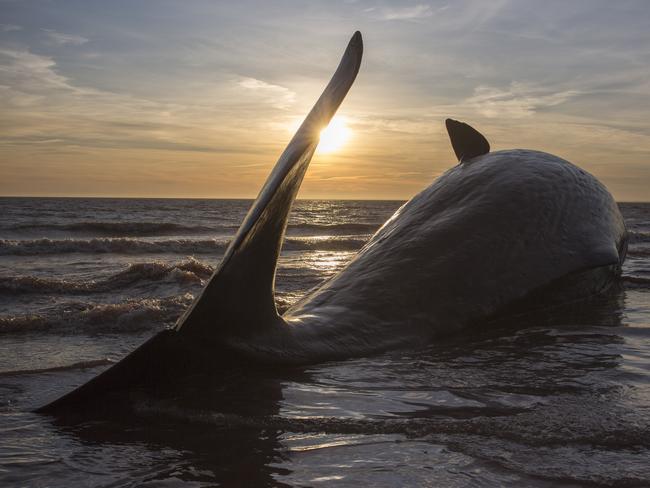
563	401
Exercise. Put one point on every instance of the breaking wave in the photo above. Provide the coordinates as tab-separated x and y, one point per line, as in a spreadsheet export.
109	245
92	363
135	229
122	245
636	237
116	228
128	316
636	281
190	271
637	251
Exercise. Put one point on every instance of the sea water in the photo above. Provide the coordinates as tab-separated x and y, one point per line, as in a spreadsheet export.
562	402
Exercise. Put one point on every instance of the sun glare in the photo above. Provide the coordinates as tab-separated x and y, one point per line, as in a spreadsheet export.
334	136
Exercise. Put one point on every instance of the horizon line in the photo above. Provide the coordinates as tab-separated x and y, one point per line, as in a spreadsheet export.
99	197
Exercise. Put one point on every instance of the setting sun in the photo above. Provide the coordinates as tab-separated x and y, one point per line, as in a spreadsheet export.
334	135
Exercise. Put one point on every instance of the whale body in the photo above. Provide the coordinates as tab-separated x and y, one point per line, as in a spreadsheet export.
496	230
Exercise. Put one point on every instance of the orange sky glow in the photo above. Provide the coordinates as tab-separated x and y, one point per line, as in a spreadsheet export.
198	99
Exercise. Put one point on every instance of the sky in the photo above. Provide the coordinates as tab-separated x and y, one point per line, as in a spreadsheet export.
199	98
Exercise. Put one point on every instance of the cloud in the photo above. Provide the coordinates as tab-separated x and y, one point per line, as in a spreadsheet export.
278	96
44	104
61	39
9	27
517	101
405	13
46	111
26	72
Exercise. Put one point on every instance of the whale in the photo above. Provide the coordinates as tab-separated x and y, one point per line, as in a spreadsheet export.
499	233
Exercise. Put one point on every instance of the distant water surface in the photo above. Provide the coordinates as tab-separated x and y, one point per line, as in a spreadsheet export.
555	402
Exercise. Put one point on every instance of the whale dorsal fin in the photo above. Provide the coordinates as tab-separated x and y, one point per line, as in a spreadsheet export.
239	297
466	141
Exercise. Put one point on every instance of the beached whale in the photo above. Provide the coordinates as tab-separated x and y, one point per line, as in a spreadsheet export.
496	230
